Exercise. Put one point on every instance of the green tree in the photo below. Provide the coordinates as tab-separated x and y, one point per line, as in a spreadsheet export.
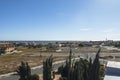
24	71
81	69
47	68
95	68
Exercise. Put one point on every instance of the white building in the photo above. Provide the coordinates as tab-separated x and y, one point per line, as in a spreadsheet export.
112	71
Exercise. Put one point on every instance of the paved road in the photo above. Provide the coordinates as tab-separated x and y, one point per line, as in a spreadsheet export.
111	48
85	55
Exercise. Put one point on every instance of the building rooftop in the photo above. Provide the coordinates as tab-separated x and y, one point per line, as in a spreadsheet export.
112	71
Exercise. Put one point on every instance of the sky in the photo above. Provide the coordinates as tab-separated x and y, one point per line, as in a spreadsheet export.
59	19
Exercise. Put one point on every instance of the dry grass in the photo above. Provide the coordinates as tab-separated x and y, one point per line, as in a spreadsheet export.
79	50
10	63
31	50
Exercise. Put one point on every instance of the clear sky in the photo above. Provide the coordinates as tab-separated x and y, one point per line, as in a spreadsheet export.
59	19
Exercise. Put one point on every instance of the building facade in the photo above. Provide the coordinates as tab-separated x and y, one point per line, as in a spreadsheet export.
6	48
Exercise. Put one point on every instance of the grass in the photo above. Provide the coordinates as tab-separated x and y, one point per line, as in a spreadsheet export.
9	63
80	50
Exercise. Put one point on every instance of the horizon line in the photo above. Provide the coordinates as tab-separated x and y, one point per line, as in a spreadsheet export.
57	40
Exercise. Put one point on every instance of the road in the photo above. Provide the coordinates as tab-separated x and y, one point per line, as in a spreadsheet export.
111	48
85	55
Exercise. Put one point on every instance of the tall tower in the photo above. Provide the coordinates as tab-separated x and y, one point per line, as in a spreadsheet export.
106	38
106	41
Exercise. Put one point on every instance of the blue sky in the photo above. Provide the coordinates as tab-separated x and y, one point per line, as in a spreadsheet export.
59	19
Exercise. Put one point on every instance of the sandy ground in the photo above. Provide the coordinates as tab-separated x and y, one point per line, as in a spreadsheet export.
57	76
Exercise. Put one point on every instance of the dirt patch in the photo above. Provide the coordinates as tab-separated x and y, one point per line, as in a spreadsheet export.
57	76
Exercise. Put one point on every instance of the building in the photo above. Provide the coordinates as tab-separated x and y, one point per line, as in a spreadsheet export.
112	71
6	48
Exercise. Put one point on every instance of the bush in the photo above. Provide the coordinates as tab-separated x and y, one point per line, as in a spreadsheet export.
34	77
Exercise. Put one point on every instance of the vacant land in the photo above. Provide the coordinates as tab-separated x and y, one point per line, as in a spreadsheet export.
66	50
9	63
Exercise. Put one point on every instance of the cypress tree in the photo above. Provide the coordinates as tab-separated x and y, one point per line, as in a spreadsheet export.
81	70
85	67
24	71
95	69
70	65
64	72
89	69
67	70
47	68
28	70
78	71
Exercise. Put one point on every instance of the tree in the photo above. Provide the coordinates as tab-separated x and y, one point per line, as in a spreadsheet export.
24	71
66	71
81	45
81	69
47	68
95	68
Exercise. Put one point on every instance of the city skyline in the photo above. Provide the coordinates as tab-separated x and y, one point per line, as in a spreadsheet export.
59	20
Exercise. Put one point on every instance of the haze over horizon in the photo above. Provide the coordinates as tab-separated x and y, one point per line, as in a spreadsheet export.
59	19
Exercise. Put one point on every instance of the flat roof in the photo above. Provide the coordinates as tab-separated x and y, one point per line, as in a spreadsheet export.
112	71
113	64
111	77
